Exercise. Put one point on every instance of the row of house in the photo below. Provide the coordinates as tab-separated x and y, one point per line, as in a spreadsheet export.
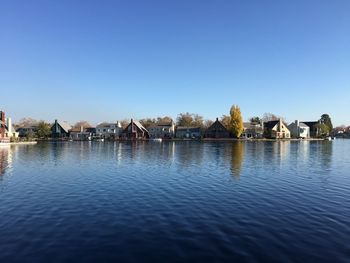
275	129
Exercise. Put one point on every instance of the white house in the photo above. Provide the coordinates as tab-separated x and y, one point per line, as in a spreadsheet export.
299	130
107	130
162	130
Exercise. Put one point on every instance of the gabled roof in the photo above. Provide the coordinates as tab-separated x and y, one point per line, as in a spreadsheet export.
270	124
139	125
65	126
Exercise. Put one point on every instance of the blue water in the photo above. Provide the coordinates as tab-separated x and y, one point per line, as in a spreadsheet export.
175	202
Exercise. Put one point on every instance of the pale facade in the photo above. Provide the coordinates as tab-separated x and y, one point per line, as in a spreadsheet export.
107	130
162	131
299	130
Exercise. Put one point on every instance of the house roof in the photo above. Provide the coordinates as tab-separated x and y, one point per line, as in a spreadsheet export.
270	124
65	126
310	123
108	124
139	125
185	128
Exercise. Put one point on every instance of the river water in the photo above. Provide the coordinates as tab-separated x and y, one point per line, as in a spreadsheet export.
175	202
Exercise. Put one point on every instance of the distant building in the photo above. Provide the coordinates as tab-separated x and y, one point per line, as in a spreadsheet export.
60	129
26	130
82	134
109	130
135	130
217	130
276	130
314	130
3	138
299	130
162	130
252	130
188	132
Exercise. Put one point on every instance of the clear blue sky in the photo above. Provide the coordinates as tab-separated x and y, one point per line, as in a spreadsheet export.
109	60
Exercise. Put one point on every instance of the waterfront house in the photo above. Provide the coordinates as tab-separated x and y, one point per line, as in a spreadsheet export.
82	134
162	130
299	130
314	130
188	132
60	129
217	130
109	130
27	130
276	130
252	130
135	130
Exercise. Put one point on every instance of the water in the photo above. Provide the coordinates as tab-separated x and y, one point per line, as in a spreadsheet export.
175	202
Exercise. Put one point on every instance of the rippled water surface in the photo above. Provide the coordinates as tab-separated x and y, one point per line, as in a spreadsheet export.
175	202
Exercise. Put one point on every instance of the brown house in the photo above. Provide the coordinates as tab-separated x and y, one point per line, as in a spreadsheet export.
217	130
135	130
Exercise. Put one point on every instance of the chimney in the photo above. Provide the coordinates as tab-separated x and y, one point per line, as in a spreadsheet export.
81	128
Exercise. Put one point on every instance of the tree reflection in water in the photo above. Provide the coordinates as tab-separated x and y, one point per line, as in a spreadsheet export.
237	156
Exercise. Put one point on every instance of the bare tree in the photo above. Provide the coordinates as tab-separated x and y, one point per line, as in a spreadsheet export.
83	124
184	119
225	120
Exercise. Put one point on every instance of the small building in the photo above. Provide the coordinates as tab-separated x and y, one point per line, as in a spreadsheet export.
27	130
299	130
188	132
82	134
162	130
252	130
135	130
109	130
60	129
276	130
217	130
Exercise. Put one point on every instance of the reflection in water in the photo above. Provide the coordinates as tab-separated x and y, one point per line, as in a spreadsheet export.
5	159
237	156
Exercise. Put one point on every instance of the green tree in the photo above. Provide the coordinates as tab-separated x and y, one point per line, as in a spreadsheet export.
236	121
44	130
325	119
323	130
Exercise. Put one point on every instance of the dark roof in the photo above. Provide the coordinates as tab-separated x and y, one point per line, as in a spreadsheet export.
183	128
310	123
270	124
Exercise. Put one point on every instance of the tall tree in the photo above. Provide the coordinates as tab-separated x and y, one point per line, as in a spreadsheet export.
207	124
165	119
325	119
236	122
83	124
255	120
198	121
184	119
44	130
323	129
271	117
148	122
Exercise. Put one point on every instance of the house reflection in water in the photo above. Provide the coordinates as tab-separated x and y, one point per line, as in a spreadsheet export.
237	156
5	159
